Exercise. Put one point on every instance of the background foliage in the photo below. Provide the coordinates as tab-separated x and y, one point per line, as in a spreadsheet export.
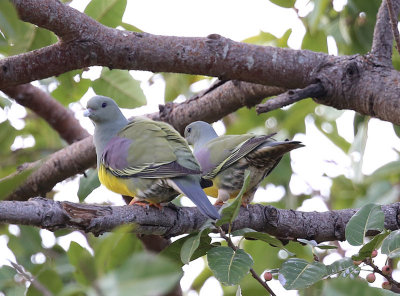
113	260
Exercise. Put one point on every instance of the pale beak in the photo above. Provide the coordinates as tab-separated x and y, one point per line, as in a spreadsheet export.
87	112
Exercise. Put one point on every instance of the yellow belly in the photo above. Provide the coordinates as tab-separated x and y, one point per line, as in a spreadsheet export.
113	183
213	190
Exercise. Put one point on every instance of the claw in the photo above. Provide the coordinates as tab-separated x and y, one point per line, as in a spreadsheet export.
145	204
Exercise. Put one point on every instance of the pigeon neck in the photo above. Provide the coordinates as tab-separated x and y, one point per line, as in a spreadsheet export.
104	132
203	140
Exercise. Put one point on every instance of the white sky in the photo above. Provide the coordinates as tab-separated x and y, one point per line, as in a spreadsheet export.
237	20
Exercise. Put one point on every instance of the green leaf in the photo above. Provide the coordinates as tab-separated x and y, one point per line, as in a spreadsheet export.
142	274
284	3
119	85
10	183
298	273
7	136
358	146
4	102
107	12
314	244
121	243
173	251
88	184
373	244
242	232
229	266
339	266
6	277
130	27
346	287
69	90
391	245
311	243
191	244
83	261
230	211
369	217
55	285
265	238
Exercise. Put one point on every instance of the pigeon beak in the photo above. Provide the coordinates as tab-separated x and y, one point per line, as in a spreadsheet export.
87	112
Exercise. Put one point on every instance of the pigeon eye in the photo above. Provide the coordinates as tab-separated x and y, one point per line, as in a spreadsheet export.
189	129
103	105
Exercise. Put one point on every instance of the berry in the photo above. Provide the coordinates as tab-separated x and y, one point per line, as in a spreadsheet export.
386	270
357	262
371	278
386	285
267	276
374	253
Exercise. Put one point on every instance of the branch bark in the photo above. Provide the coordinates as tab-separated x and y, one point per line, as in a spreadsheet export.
382	42
57	116
172	221
351	82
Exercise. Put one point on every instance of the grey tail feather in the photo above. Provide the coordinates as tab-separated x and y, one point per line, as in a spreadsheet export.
194	192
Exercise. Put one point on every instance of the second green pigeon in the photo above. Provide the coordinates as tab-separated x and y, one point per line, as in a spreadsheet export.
145	159
224	159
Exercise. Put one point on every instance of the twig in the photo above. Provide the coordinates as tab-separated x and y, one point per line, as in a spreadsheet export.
253	273
292	96
393	22
42	289
389	277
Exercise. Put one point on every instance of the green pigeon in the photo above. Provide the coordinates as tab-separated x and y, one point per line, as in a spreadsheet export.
224	159
145	159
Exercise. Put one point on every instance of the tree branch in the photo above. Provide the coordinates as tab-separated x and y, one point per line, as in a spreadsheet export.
173	221
382	42
393	22
86	42
57	116
59	166
314	90
351	82
215	103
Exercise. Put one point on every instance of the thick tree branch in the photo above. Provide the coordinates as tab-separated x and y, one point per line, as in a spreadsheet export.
59	166
173	221
57	116
215	103
89	43
350	82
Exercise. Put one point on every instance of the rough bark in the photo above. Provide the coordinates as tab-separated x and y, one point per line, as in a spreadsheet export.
173	221
57	116
351	82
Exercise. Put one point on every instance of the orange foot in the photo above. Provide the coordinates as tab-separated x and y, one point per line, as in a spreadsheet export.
145	204
245	204
219	203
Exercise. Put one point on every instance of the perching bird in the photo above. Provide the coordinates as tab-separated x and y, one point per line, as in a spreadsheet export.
224	159
145	159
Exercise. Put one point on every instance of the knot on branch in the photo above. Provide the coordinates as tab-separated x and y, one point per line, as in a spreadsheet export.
271	215
166	111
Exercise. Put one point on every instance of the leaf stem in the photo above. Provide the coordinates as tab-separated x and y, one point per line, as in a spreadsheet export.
253	273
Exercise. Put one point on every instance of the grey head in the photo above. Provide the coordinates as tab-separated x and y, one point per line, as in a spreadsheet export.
199	133
108	121
103	110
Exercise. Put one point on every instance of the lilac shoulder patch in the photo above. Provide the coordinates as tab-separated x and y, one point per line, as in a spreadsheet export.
116	153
